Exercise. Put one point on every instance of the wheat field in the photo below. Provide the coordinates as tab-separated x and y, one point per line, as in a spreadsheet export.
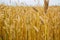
29	23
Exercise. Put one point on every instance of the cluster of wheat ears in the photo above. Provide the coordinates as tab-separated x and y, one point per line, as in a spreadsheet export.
29	23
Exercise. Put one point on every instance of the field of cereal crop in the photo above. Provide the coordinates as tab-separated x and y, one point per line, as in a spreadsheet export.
29	23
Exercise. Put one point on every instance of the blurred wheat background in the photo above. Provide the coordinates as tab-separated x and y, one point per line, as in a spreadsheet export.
28	23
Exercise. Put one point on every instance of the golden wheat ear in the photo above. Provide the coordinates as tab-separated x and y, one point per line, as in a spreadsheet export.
46	3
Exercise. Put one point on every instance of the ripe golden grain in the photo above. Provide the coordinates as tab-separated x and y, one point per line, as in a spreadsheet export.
28	23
